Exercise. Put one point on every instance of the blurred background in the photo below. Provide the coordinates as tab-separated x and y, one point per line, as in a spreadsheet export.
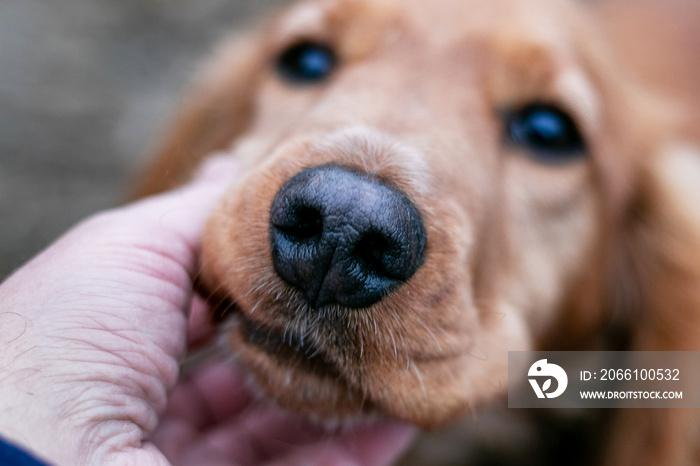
85	88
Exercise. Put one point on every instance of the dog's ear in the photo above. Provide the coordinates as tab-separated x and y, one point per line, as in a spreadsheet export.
663	248
665	251
218	109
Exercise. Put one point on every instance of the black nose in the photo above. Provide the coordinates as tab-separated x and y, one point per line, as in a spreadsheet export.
344	236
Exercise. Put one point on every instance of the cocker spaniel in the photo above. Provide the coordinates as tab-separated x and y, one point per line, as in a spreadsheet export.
430	184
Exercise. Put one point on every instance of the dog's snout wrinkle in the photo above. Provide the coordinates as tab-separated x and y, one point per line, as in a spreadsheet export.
343	236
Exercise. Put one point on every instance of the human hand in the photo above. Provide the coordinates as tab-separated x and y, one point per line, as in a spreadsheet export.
212	419
92	332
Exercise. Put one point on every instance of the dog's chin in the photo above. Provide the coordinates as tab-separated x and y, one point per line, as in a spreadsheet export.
295	374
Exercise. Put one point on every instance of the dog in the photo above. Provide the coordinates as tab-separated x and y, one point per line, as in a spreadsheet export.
431	184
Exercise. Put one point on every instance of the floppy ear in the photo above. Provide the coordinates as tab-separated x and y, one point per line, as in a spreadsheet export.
664	249
218	109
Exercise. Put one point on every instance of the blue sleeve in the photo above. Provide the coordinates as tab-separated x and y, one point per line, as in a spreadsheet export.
10	455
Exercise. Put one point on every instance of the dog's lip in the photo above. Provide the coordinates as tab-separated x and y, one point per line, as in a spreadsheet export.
293	350
285	347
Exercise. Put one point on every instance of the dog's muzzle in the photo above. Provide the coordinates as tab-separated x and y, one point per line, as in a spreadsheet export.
343	236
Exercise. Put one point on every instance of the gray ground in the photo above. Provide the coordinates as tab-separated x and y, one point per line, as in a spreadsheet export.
85	86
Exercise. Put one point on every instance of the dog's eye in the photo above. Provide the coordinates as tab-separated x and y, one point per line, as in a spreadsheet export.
306	63
546	132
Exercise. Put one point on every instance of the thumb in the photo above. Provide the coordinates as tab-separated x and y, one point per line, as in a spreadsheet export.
184	211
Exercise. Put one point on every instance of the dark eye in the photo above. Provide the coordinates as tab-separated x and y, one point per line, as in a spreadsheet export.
306	63
546	132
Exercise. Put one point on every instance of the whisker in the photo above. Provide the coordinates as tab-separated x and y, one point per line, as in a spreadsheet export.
362	345
396	356
420	380
432	335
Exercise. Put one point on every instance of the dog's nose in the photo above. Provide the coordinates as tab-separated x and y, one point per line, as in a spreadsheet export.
343	236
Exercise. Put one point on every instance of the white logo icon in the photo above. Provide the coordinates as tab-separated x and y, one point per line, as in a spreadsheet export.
542	369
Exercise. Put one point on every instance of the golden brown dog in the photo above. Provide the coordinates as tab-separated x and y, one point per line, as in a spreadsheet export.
430	184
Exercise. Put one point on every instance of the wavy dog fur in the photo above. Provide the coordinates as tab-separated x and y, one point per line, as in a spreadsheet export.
598	253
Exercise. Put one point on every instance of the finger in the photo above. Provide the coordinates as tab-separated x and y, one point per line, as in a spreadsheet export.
185	210
173	437
180	443
200	455
376	445
199	328
260	433
265	434
210	395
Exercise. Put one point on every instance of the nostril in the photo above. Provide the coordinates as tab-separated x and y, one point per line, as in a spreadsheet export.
372	251
301	224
